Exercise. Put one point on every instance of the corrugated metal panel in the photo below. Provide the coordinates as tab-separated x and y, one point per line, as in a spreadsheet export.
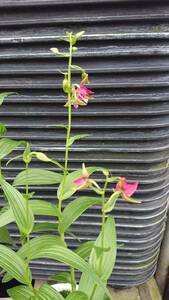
125	50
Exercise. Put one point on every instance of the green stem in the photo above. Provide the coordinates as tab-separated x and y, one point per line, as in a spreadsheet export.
102	232
72	271
27	212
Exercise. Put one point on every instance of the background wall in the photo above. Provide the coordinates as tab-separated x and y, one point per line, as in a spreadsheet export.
125	50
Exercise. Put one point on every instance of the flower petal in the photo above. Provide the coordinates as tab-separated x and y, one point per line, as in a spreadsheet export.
80	181
129	189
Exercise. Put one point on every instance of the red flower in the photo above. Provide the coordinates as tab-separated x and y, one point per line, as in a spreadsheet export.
127	189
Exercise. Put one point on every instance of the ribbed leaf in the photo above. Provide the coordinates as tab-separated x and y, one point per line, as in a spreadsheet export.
50	292
111	202
103	266
38	177
6	218
18	205
35	245
41	207
45	226
38	207
61	277
5	236
20	292
62	254
77	137
85	249
12	263
7	146
67	188
75	208
77	296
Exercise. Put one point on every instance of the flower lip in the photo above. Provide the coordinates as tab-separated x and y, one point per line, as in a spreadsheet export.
127	189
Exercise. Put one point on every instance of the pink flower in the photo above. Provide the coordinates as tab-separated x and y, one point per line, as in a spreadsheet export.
127	189
81	95
82	181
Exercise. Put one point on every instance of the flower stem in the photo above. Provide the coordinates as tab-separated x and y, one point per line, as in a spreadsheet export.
69	75
27	212
102	233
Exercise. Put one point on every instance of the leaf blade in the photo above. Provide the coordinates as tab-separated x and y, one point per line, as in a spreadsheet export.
19	207
38	177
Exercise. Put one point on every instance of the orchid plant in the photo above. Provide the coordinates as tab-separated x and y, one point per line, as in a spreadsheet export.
94	259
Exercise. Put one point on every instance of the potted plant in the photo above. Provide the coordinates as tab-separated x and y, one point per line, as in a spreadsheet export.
94	259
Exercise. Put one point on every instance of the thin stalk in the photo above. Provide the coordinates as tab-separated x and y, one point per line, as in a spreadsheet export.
72	271
102	232
27	212
68	127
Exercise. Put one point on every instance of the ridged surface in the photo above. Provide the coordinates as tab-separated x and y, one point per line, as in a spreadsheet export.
125	50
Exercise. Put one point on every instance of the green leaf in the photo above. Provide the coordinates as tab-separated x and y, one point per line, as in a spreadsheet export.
85	249
77	137
4	95
75	67
19	207
7	146
61	277
35	245
49	292
77	36
38	207
12	263
69	188
108	257
57	52
110	204
38	177
20	292
75	208
5	236
3	129
42	249
41	207
99	250
45	226
77	296
105	263
113	179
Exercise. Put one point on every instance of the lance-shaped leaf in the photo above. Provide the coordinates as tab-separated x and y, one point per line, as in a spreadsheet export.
38	207
35	245
45	226
77	137
38	177
77	296
85	249
12	263
43	249
20	292
4	95
68	257
5	236
20	208
7	146
61	277
49	293
110	204
75	208
105	263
